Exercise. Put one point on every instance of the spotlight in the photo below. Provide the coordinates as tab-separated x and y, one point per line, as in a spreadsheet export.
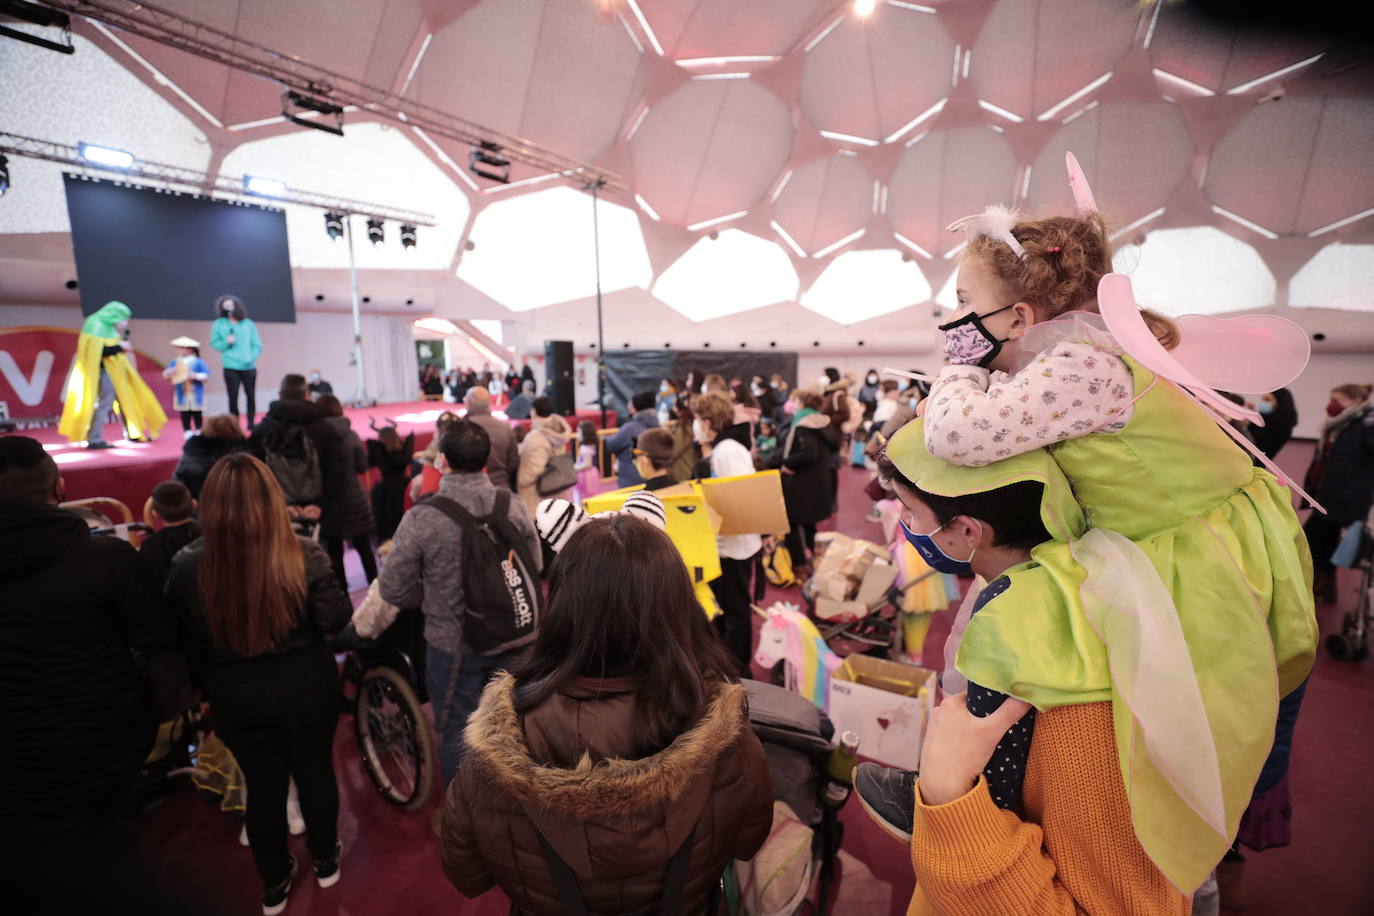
45	18
4	174
375	234
290	100
864	7
334	224
104	155
488	154
267	187
407	236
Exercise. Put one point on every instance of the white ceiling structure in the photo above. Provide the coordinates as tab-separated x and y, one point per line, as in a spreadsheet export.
788	162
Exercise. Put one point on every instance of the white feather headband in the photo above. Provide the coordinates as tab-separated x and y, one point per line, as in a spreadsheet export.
995	222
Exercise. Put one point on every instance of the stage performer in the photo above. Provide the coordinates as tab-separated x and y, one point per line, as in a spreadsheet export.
188	373
236	338
1193	541
102	376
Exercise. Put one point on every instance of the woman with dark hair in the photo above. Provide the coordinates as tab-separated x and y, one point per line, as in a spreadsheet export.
1280	416
1341	477
684	444
235	336
257	603
345	515
616	769
220	436
808	486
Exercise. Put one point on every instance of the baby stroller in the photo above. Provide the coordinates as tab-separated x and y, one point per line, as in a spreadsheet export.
796	740
1351	644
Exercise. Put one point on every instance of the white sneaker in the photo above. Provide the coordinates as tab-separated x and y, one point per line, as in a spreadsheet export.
294	821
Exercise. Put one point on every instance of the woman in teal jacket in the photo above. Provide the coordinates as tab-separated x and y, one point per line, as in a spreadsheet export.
236	338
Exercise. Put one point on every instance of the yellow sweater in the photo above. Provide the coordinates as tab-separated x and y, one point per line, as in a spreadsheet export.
1076	852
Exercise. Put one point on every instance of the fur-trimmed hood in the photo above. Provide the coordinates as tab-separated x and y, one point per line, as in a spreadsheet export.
495	743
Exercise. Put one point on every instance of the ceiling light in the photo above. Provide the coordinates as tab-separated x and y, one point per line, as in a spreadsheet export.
334	225
864	8
104	155
407	236
293	102
39	16
847	138
375	234
485	161
268	187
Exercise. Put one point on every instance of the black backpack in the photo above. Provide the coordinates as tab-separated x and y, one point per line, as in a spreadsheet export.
294	461
500	594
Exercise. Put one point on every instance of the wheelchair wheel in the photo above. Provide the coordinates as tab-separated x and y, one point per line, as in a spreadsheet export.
1349	645
395	739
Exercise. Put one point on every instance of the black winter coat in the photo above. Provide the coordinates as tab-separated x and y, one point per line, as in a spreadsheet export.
339	504
326	610
352	513
388	494
809	491
1342	473
81	636
199	455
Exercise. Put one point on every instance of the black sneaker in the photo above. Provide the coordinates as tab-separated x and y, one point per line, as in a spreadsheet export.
327	870
274	895
889	797
98	445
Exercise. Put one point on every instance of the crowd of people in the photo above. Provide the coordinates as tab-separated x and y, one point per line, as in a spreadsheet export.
597	755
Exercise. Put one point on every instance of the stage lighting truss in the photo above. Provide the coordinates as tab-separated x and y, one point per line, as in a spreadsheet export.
41	17
89	158
327	88
375	233
486	161
293	103
407	236
334	224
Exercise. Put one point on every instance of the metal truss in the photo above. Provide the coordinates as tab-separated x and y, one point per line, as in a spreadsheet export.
177	176
174	30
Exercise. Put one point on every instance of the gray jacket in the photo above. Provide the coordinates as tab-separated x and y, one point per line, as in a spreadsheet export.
424	567
505	451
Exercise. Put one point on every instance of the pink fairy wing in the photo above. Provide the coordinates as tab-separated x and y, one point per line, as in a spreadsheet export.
1082	194
1249	353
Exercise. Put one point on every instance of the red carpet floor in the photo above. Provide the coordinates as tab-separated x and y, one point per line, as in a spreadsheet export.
391	862
129	471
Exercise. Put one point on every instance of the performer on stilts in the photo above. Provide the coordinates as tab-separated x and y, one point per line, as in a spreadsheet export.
103	376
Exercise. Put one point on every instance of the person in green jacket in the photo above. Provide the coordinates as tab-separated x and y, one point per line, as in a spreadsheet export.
236	338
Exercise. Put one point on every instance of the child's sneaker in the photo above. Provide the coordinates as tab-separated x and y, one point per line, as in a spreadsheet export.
327	870
294	822
889	797
274	895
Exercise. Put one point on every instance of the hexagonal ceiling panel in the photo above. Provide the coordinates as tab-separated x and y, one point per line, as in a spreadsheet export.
825	201
732	273
859	285
1337	278
1201	271
947	175
1033	54
870	77
537	249
87	97
1134	154
1314	170
372	162
545	70
729	28
1218	55
711	148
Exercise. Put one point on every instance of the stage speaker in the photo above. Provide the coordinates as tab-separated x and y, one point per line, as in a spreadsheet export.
558	363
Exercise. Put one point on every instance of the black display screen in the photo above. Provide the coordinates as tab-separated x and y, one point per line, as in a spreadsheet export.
169	255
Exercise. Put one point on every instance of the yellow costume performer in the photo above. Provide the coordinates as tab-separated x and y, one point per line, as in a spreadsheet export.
102	374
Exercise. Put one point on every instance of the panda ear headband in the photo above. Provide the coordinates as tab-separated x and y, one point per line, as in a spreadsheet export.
557	519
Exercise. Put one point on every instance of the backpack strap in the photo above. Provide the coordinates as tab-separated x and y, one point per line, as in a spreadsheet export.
460	516
571	897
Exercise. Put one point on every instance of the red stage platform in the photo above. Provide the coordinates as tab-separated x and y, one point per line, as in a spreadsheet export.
129	471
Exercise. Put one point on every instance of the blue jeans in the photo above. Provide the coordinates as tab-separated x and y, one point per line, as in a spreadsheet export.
473	673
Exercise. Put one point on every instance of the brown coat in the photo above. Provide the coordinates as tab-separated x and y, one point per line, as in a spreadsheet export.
548	436
615	821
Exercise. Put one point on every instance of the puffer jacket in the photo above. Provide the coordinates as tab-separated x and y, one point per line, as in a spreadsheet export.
565	769
548	436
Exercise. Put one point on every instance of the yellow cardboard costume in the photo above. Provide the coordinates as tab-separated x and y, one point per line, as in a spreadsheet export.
143	416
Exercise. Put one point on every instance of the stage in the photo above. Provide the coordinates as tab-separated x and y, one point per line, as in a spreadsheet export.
129	471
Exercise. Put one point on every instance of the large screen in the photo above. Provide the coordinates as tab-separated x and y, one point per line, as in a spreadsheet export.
169	255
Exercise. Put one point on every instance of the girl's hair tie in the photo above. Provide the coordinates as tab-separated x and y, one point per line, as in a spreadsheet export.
1054	249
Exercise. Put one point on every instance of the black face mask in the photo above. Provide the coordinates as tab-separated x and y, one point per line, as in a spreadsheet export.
969	343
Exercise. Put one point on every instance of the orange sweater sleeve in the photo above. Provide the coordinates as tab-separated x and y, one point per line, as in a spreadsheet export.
1076	851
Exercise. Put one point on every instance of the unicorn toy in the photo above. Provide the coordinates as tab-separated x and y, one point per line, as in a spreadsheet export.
789	636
